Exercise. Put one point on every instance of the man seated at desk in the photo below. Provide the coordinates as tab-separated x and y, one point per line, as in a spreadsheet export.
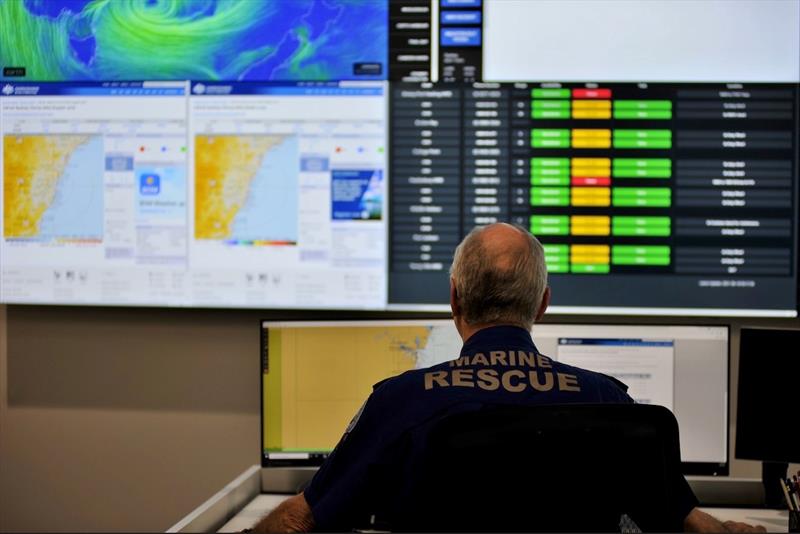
498	289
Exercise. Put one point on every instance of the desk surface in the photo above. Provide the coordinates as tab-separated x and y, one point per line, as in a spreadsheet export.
772	520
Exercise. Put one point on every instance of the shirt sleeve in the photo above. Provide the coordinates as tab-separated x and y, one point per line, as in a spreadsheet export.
339	492
685	500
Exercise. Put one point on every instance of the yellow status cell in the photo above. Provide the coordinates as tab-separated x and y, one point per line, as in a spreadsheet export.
591	113
591	171
591	196
591	167
591	162
591	202
592	104
591	191
588	259
589	142
592	254
590	220
590	250
593	133
590	225
578	195
590	230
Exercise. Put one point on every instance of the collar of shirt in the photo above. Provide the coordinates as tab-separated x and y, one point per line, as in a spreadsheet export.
499	337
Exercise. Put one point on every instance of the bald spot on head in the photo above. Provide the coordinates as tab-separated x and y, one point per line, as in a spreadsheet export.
502	243
498	276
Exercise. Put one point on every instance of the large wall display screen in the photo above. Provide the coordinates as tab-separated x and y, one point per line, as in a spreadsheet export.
680	198
330	154
260	194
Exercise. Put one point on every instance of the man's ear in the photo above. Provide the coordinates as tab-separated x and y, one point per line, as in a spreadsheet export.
545	303
454	306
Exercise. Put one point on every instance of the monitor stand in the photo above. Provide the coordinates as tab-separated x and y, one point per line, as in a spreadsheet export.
771	473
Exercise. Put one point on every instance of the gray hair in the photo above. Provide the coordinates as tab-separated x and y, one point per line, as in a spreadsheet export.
499	286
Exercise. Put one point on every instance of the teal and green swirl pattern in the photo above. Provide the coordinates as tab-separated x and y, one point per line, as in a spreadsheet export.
60	40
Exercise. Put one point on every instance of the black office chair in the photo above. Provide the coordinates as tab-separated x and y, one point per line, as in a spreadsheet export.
579	467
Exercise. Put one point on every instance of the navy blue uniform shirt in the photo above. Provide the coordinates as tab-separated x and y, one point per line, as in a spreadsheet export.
500	364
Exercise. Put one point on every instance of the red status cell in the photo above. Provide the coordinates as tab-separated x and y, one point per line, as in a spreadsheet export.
591	180
591	93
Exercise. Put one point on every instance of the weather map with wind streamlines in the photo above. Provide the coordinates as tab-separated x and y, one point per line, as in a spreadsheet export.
232	40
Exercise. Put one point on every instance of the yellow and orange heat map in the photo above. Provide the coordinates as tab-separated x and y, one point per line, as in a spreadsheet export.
225	166
32	168
317	378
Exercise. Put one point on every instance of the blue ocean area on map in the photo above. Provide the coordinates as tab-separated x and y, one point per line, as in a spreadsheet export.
271	210
356	194
76	211
160	193
60	40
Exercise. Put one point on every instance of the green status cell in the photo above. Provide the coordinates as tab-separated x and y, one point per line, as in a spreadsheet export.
640	255
540	142
646	197
550	230
630	220
550	133
641	250
550	138
642	134
557	267
646	163
641	260
539	179
550	162
550	196
550	109
641	226
550	171
550	225
551	249
642	114
641	231
642	143
550	114
651	192
590	268
661	105
551	104
641	202
644	172
550	93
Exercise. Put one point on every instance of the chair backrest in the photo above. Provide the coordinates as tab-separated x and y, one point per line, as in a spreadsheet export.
546	468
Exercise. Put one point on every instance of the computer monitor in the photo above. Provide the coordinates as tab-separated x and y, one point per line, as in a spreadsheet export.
316	375
769	370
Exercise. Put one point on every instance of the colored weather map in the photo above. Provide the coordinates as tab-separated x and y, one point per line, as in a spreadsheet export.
318	377
66	40
53	187
246	188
